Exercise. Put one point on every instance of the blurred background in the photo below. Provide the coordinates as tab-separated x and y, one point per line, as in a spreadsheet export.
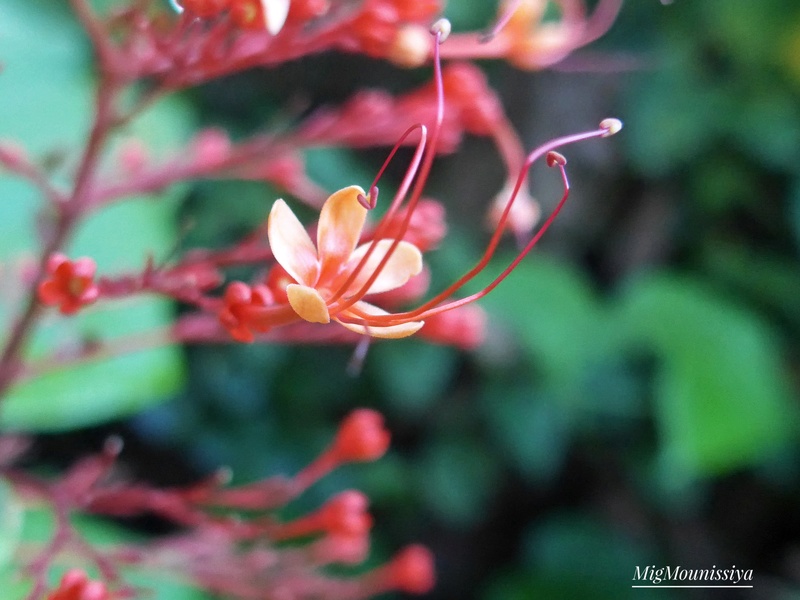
635	402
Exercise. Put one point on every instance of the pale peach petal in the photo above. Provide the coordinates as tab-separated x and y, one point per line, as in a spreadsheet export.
290	244
403	264
307	303
340	223
379	331
275	12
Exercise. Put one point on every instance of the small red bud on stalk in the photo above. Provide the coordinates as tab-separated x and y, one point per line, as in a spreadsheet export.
362	437
343	515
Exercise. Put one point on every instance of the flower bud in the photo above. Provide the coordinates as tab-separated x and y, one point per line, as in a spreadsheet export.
361	437
463	327
346	514
211	146
412	570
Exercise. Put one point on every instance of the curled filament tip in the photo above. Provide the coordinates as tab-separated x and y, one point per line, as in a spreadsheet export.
555	159
611	126
442	28
369	201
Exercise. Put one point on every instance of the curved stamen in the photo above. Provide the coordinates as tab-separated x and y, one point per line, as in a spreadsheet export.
607	127
419	186
393	207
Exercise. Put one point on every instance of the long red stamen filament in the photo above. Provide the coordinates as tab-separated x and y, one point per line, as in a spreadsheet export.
509	146
396	201
419	186
513	265
607	128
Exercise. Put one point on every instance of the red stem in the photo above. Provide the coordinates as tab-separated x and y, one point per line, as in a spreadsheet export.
71	212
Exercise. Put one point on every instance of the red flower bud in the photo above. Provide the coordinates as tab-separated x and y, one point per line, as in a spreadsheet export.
412	570
211	147
361	437
235	313
341	548
346	514
463	327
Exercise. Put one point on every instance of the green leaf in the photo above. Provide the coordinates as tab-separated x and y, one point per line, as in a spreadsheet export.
722	398
46	103
10	524
553	312
36	527
412	374
457	478
532	432
574	556
768	279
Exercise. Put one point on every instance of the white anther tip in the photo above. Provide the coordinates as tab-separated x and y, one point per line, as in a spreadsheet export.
555	159
442	27
611	126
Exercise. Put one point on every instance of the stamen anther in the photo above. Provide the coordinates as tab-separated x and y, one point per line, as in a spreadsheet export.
555	159
442	28
611	126
371	200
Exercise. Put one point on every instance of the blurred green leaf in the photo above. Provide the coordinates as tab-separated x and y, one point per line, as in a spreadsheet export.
552	310
573	556
794	213
456	478
10	524
336	168
46	99
411	374
672	118
722	399
37	527
769	280
521	585
532	432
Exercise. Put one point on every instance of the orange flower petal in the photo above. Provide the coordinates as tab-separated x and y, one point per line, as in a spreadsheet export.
340	223
379	331
307	303
403	264
290	244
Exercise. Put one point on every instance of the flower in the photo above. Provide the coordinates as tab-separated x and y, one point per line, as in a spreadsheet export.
69	284
332	277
